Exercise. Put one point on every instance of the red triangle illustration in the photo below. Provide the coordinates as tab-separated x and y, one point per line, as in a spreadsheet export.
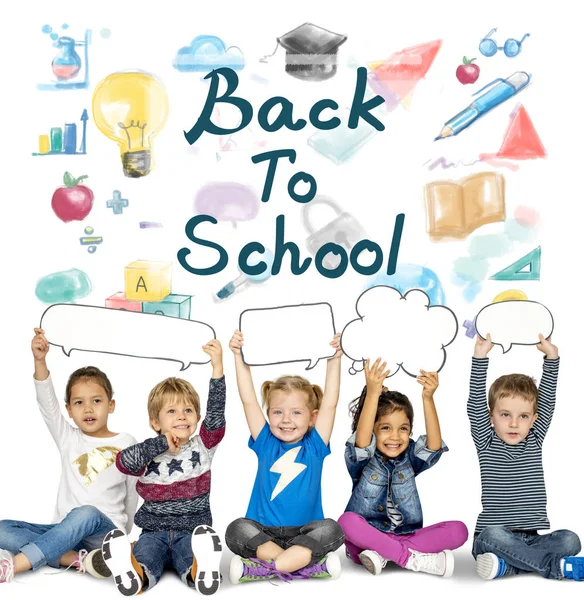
521	140
403	69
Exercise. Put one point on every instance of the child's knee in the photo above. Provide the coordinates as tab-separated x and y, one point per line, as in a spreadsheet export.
349	519
460	532
571	542
86	514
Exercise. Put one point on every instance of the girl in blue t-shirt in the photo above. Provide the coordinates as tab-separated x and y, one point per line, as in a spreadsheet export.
383	519
284	533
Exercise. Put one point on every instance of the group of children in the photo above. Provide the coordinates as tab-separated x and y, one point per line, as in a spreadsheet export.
284	533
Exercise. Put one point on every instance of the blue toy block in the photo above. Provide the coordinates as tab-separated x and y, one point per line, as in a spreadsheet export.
174	305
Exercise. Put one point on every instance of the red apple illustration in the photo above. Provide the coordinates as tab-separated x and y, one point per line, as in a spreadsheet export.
72	202
467	72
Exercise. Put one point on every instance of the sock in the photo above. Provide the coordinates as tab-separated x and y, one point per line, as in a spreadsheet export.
562	563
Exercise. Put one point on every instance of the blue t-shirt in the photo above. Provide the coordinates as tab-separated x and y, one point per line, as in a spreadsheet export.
286	491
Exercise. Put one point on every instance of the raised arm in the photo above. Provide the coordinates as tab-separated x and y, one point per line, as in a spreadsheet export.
433	436
213	427
374	377
45	392
328	406
251	407
546	397
477	409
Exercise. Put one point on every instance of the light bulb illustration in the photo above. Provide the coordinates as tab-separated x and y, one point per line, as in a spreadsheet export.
131	108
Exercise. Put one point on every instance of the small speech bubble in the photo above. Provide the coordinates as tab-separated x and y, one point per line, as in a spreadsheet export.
287	334
127	333
405	331
514	322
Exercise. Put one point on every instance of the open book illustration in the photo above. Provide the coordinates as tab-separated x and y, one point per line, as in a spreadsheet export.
454	209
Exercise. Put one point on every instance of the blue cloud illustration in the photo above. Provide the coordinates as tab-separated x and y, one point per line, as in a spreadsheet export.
208	52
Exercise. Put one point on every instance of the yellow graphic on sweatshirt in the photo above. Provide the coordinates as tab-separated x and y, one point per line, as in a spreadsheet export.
92	463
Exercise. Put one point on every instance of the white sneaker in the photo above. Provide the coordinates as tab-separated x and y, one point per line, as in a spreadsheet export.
372	561
7	570
207	548
117	554
439	563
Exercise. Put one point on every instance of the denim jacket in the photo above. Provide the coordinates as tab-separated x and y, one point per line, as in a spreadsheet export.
373	478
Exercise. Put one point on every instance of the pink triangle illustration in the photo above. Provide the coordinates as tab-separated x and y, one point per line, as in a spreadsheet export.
521	140
402	70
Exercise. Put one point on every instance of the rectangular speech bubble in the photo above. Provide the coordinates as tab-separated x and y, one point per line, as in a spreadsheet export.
127	333
286	334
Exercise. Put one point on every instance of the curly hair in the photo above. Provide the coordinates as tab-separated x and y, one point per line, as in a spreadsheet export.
389	402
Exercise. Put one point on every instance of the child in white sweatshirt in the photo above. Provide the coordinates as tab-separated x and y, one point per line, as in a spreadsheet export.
93	497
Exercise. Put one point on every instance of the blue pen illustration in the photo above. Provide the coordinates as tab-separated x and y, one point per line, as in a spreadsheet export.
505	89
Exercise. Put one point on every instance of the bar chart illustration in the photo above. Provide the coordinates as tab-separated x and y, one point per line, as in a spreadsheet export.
63	140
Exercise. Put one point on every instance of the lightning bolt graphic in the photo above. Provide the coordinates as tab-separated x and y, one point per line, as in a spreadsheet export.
288	470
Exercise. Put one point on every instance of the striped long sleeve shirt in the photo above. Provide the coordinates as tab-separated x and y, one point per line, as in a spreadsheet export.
512	480
176	486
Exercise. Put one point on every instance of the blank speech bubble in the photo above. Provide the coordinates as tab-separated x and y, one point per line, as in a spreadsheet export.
514	322
127	333
287	334
405	331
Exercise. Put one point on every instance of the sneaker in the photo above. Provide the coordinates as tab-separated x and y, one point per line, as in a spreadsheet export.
573	568
95	565
207	548
438	563
117	554
243	570
490	566
7	570
372	561
328	567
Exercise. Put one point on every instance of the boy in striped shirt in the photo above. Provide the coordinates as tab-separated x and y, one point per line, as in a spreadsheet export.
508	433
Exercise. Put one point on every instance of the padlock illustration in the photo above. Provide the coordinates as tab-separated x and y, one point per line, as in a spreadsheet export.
344	230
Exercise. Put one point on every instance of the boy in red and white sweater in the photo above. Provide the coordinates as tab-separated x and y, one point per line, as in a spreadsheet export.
174	471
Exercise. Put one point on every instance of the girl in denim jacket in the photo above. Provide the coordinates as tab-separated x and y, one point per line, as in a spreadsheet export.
383	519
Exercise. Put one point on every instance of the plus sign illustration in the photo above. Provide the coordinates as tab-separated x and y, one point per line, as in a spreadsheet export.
117	203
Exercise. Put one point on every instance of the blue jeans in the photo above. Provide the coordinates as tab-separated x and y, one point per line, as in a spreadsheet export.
154	550
528	552
84	527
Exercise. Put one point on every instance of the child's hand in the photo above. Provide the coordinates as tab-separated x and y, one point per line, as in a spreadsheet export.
375	375
336	344
236	342
214	350
430	382
173	442
483	347
547	347
39	345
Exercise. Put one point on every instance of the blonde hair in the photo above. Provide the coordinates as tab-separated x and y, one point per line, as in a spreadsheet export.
290	383
513	385
172	390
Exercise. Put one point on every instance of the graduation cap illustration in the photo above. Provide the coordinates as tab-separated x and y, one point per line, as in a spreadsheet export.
311	52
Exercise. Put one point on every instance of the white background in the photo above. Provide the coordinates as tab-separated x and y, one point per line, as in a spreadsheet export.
385	178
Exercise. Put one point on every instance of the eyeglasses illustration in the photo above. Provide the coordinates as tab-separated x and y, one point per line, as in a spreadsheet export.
488	47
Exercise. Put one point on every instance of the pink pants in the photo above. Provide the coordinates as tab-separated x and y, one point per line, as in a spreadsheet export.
359	535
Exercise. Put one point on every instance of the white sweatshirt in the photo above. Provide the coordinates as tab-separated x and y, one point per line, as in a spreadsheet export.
88	466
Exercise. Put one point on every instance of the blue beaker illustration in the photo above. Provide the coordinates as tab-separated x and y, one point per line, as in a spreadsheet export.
67	63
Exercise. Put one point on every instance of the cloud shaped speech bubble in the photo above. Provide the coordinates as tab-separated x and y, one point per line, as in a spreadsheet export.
405	331
113	331
287	334
514	322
